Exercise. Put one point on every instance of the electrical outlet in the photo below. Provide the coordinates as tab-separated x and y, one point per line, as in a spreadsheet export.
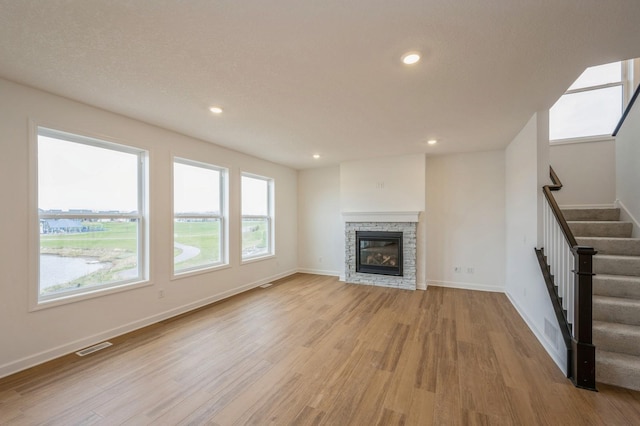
470	270
160	294
457	269
319	260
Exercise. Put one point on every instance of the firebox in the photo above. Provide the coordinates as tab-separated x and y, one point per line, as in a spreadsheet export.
379	252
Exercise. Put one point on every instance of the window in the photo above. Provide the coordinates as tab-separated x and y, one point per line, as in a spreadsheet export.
198	224
257	223
592	105
91	212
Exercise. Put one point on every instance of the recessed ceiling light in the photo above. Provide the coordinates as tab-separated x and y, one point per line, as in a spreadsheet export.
316	156
410	58
215	110
432	141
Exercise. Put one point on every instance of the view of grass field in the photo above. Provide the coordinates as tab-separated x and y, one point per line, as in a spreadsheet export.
114	245
203	235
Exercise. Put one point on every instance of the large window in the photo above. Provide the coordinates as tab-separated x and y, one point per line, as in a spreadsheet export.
91	213
592	105
198	206
257	222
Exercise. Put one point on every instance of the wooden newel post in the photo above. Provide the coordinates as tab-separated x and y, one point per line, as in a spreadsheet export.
584	353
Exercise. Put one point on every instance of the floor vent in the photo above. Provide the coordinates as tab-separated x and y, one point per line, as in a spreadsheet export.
94	348
267	285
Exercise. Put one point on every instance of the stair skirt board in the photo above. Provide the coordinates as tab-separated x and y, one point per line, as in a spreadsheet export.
628	217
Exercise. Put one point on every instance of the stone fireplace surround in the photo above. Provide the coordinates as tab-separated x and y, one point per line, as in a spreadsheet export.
405	222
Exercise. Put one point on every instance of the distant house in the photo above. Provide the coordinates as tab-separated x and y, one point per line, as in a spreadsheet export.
57	226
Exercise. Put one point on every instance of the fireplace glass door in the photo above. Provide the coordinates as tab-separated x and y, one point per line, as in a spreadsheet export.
379	253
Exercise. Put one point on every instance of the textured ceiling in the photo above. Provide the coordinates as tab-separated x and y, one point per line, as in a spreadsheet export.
301	77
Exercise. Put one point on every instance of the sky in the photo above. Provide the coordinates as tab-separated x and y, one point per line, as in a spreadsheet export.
77	176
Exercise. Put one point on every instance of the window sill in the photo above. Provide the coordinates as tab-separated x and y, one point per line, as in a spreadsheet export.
78	297
257	259
193	272
586	139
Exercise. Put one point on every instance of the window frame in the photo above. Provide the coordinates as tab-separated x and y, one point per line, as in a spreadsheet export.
269	218
626	83
222	217
36	300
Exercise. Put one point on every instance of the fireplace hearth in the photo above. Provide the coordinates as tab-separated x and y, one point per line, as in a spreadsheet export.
379	253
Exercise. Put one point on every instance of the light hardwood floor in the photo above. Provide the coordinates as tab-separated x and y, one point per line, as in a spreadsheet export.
312	350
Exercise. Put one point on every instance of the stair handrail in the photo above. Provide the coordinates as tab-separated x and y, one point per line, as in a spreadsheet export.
626	111
555	208
571	295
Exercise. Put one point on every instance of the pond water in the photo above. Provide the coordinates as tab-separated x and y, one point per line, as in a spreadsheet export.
56	270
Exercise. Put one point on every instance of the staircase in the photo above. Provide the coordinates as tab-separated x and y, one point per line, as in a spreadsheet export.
616	293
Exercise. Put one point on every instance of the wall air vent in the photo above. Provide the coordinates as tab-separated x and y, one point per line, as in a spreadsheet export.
94	348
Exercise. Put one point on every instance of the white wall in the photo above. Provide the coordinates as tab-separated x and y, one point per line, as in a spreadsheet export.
628	167
524	283
465	220
383	184
587	171
320	224
28	338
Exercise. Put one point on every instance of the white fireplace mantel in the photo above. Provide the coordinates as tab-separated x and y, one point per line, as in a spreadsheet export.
412	216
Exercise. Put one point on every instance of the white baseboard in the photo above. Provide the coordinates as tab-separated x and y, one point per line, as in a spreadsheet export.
466	286
319	272
555	356
65	349
421	286
626	215
342	278
587	206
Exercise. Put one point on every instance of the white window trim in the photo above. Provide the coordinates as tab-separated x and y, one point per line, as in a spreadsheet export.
35	302
584	139
627	81
223	263
270	220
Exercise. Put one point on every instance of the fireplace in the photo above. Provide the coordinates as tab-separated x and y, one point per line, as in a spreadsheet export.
381	249
379	253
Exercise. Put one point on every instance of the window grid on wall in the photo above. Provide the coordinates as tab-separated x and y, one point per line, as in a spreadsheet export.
199	220
257	216
91	212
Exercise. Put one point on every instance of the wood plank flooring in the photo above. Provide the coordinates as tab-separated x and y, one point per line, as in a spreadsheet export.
313	351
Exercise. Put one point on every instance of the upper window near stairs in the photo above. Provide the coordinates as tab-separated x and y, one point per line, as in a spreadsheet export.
593	104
